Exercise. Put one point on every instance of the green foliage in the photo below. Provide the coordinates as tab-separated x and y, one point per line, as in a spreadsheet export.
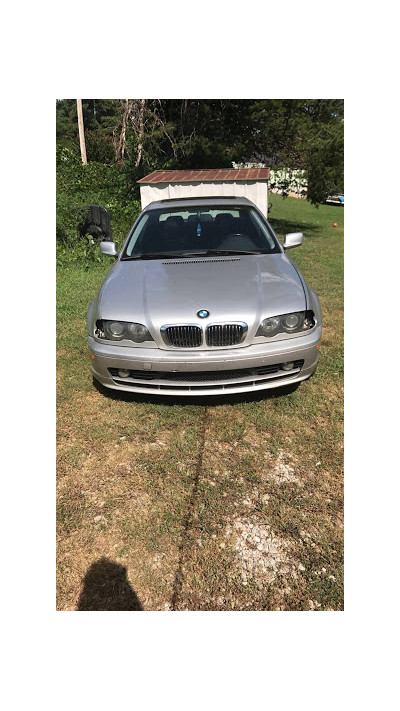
301	134
79	186
87	253
325	170
99	147
99	115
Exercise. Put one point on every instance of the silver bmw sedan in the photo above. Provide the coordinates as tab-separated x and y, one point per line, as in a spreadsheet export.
203	300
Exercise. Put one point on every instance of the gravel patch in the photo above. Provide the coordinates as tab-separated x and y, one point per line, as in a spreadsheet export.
262	555
284	473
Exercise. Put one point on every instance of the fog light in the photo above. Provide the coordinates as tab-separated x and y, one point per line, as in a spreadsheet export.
123	373
287	366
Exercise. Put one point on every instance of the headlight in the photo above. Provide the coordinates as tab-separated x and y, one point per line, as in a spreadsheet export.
269	326
138	332
287	323
115	329
291	322
122	330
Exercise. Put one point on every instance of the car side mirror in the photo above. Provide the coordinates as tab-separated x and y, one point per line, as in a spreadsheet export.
109	248
293	239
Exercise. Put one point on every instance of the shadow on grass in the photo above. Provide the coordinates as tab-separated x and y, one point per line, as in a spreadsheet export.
201	400
188	520
283	227
106	587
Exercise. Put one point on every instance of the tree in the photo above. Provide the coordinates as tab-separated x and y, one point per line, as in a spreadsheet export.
120	148
301	134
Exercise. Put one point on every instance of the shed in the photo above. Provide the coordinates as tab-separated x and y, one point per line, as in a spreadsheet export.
251	183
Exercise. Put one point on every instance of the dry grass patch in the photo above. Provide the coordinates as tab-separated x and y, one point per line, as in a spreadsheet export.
121	497
247	494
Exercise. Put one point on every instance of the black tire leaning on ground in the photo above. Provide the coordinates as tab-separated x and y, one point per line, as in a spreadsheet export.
95	222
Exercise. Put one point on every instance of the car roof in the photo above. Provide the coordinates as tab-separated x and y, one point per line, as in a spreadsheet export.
187	203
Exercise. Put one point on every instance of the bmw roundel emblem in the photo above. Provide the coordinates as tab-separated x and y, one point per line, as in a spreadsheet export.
203	313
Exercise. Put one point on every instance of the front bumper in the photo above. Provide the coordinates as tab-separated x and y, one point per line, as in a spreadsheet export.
153	367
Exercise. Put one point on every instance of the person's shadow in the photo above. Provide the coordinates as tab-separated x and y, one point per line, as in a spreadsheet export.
106	587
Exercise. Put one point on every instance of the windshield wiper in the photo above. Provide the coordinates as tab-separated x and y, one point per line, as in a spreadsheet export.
153	255
220	252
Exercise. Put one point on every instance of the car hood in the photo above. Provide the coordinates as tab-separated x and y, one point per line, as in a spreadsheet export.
244	288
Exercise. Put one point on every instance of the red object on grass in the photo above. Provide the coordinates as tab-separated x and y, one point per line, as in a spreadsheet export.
334	224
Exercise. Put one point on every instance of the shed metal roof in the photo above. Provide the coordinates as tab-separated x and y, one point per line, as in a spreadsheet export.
224	175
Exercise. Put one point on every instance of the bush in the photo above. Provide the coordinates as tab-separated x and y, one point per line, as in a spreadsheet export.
86	253
99	148
94	184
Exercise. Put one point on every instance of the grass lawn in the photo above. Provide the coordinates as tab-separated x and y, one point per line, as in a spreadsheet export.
231	504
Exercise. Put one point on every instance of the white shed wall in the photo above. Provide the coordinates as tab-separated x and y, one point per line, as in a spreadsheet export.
256	191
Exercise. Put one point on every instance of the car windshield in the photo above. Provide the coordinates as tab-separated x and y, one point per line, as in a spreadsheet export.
166	233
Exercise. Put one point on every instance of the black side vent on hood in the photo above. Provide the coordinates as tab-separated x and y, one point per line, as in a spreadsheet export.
202	261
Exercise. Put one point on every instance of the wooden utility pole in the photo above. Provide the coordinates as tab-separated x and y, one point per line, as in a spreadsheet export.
81	131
